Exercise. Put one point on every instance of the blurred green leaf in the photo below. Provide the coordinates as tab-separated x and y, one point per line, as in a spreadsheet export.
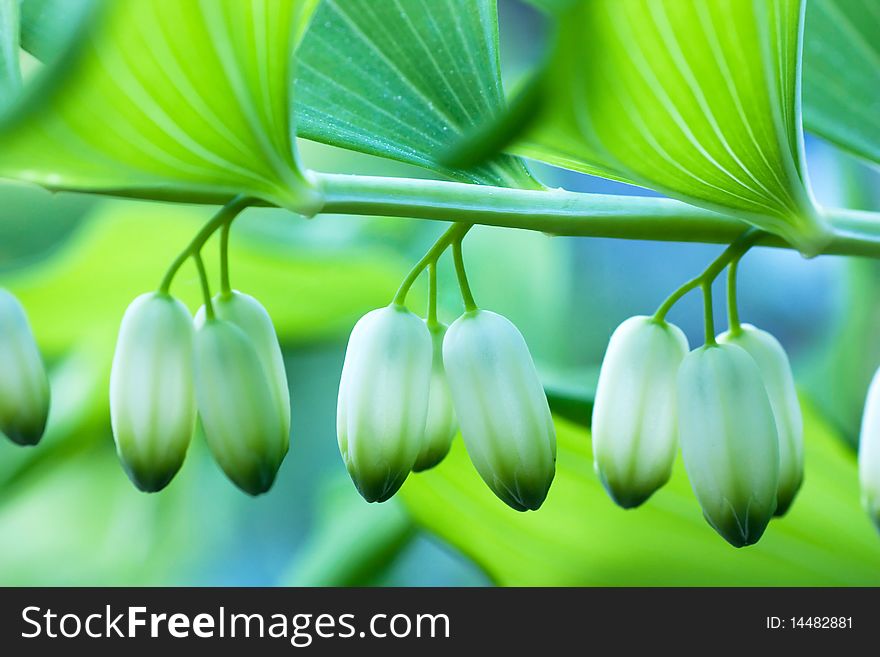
170	100
10	72
354	542
48	25
696	99
404	80
81	292
579	537
842	74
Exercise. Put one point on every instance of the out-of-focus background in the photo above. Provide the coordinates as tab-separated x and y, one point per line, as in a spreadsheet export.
69	516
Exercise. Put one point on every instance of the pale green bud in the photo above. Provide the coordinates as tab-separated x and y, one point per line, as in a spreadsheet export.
24	385
440	425
728	440
869	452
501	407
635	433
244	428
249	315
152	404
779	381
383	400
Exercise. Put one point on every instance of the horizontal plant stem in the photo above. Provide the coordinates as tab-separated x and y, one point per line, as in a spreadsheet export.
560	212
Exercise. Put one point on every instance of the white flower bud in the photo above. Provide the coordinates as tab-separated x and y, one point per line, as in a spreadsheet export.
869	452
635	434
501	407
383	400
728	440
24	385
243	425
440	425
249	315
152	403
779	381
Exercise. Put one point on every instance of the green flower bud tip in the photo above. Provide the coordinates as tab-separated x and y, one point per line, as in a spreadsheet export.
502	409
728	440
440	425
779	381
635	433
238	401
24	385
383	400
869	452
152	404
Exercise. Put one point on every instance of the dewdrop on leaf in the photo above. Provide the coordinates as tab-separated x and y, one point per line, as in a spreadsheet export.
728	440
152	403
776	372
440	425
635	433
501	407
383	400
24	385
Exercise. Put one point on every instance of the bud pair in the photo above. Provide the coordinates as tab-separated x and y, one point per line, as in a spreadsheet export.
635	433
501	406
24	386
231	364
729	440
241	388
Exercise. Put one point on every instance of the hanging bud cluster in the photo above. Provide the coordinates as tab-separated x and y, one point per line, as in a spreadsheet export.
24	386
224	367
731	403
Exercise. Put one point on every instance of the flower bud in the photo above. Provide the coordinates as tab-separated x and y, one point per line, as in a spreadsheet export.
501	407
249	315
728	440
243	425
869	452
776	372
152	404
383	400
24	386
635	434
440	425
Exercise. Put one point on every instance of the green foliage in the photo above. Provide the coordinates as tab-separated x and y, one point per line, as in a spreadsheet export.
185	101
842	74
695	99
580	537
10	73
404	80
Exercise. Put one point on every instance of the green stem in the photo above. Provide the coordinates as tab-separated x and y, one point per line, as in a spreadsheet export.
466	296
432	296
454	232
206	288
226	214
733	324
560	212
225	287
708	314
734	251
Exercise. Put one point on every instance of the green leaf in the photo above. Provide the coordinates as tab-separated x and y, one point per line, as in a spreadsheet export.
10	73
696	99
171	100
404	79
47	26
579	537
842	74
